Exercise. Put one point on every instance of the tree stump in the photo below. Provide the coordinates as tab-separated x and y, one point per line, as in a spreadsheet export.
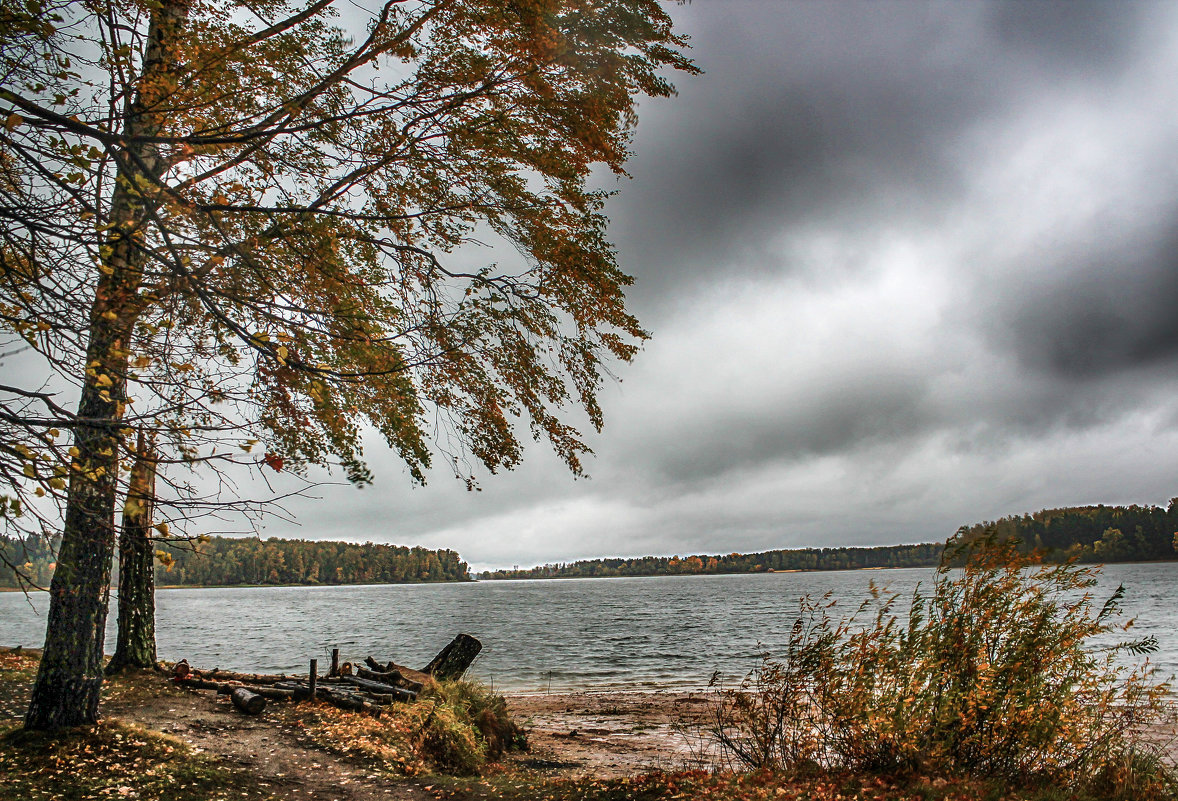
453	660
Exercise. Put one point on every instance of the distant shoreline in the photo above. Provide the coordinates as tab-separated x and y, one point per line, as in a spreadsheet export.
718	573
270	586
1172	560
583	578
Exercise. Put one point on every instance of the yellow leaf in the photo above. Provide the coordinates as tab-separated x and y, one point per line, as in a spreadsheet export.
13	120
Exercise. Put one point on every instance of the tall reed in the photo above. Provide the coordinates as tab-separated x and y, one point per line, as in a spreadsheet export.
1005	668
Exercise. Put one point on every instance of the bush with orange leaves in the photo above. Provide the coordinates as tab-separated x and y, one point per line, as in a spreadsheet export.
1007	668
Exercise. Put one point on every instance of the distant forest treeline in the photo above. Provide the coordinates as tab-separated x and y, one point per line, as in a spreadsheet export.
1090	533
924	555
1087	533
224	561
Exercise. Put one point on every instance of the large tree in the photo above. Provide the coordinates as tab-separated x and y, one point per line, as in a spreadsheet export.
293	195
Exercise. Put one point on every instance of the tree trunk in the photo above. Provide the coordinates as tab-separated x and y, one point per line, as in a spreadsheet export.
135	647
69	679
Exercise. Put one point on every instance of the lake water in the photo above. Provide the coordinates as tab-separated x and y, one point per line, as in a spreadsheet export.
544	634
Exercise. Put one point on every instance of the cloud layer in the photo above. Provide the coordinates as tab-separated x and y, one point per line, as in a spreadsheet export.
908	266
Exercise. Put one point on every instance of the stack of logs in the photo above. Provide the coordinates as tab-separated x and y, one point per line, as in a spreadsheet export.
369	689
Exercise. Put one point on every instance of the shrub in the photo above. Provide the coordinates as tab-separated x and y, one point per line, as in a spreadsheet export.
993	673
455	727
484	712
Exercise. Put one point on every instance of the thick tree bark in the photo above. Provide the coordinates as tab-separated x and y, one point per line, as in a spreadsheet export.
453	660
135	647
69	679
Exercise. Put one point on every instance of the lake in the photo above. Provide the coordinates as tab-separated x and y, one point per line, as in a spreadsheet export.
671	631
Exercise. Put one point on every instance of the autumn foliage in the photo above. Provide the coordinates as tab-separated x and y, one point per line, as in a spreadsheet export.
230	226
1004	669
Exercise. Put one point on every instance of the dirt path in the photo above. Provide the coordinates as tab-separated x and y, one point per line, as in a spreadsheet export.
264	745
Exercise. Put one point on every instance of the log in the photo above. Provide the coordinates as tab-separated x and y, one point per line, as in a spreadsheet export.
273	693
248	702
244	678
414	679
202	684
298	691
380	687
377	666
453	660
392	677
313	677
334	662
348	701
225	688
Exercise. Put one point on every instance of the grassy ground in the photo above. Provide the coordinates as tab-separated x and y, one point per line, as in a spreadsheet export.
116	759
343	756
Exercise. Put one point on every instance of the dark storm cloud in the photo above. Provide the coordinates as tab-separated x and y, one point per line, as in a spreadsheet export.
1081	36
1113	311
837	113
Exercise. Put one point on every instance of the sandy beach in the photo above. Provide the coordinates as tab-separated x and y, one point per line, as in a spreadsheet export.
614	733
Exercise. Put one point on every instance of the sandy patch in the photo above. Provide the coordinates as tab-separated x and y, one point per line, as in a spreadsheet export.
612	734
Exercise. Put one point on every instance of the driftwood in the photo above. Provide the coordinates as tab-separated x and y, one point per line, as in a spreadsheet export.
392	677
400	693
350	701
378	667
411	679
248	702
369	690
244	678
453	660
225	688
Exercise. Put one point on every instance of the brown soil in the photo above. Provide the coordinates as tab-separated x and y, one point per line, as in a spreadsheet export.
265	745
613	734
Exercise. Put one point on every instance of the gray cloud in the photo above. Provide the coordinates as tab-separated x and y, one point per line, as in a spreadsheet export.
851	113
908	266
1113	312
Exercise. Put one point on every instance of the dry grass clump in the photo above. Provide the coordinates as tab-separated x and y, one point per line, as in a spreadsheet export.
455	727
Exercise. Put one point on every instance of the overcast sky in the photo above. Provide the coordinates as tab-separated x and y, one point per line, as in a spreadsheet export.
907	266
